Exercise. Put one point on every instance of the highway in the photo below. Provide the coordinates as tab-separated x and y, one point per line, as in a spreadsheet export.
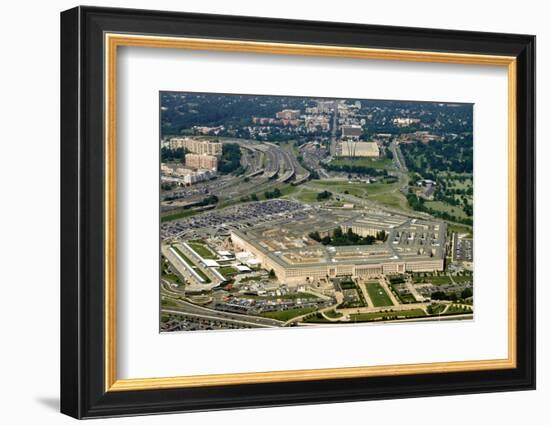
189	308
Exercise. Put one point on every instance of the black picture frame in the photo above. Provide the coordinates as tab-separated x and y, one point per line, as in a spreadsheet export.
83	392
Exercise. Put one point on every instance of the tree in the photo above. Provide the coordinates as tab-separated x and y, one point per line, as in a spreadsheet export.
466	293
323	195
315	236
272	274
381	235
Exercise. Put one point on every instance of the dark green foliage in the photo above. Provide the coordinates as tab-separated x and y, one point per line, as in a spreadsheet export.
209	200
230	160
440	295
339	238
429	159
466	293
170	155
275	193
315	236
321	196
418	204
357	169
396	279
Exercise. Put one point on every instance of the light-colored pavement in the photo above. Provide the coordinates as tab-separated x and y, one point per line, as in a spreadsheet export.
384	284
412	289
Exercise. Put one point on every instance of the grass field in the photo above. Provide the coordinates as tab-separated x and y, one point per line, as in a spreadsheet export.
355	188
378	295
286	189
167	302
333	314
285	315
437	309
316	318
391	199
193	265
404	298
457	309
171	277
386	194
340	186
292	296
391	315
178	215
443	207
461	229
228	271
434	280
307	196
376	163
201	249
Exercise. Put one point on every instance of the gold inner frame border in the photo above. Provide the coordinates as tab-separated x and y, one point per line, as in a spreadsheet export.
111	43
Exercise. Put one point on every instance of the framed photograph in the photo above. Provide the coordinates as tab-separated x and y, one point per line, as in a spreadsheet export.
261	212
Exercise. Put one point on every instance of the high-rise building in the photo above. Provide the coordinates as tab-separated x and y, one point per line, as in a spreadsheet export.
198	146
207	162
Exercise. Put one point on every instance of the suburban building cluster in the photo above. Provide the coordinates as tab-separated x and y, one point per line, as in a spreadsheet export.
200	163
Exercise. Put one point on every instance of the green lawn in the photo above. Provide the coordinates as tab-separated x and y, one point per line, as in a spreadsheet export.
376	163
386	194
390	199
379	188
456	309
178	215
456	211
341	186
391	315
171	277
434	280
436	309
228	271
285	315
291	296
286	189
316	318
333	314
461	279
200	248
307	196
193	265
404	298
361	190
168	302
378	295
460	229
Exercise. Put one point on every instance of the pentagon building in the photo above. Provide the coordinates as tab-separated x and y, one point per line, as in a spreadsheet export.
412	245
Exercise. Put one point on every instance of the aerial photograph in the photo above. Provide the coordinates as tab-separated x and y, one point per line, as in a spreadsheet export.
285	211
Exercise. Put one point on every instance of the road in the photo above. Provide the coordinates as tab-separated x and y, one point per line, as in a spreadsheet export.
219	319
333	141
189	308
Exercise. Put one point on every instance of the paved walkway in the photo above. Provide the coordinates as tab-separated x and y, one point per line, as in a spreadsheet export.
384	284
